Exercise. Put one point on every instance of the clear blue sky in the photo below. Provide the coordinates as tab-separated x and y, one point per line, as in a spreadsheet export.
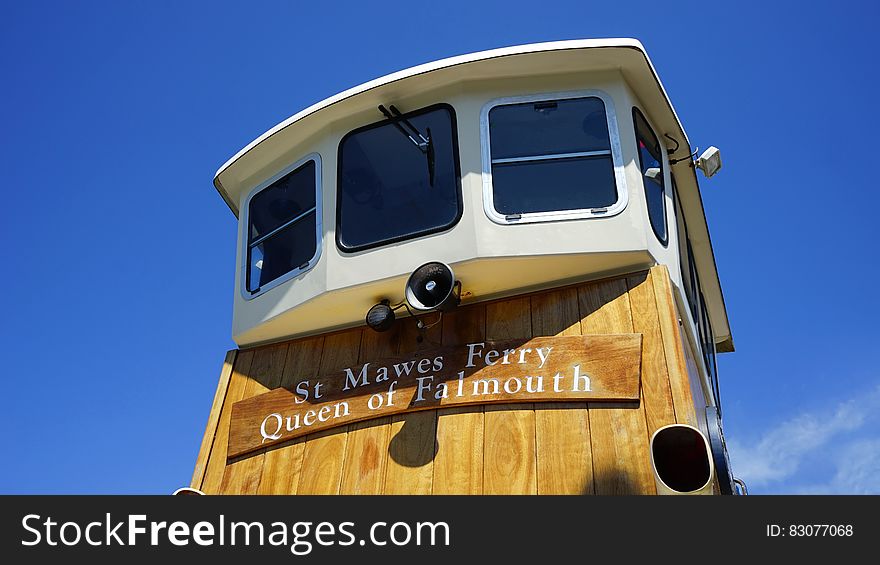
118	255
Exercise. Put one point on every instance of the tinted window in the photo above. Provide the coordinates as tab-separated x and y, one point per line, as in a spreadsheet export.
696	301
694	283
546	128
683	245
708	345
569	179
282	227
390	189
551	155
651	162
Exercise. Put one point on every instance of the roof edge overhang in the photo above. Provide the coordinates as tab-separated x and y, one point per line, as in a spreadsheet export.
459	60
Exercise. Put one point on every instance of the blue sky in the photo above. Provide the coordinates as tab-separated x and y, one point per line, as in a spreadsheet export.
118	255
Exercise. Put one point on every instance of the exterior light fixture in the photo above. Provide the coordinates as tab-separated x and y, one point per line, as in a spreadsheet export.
381	316
709	162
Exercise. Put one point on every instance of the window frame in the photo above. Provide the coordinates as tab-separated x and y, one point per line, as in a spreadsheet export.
709	353
557	215
704	335
685	254
397	239
664	170
245	223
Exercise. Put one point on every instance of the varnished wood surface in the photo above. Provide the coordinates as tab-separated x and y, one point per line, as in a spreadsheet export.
509	456
458	462
523	448
242	476
282	466
324	453
217	460
687	403
562	431
541	369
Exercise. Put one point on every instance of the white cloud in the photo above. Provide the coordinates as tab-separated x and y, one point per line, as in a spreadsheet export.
858	471
778	455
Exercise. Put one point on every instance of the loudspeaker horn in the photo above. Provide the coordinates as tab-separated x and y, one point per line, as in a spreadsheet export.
433	287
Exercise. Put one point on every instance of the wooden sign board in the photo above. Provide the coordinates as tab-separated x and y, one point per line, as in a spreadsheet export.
543	369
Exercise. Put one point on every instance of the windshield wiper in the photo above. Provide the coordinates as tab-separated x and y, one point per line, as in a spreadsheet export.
424	143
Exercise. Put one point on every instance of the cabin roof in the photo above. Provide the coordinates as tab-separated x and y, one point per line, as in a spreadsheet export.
625	55
614	55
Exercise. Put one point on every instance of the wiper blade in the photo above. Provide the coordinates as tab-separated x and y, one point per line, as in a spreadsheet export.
413	134
424	143
430	156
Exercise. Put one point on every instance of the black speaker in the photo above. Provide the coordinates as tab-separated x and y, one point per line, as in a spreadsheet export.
432	287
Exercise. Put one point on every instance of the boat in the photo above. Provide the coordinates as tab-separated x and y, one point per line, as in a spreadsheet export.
488	274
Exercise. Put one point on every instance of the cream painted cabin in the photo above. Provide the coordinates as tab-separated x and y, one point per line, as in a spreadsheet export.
529	171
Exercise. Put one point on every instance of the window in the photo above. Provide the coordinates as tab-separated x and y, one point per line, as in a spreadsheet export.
694	283
283	227
651	162
705	334
696	301
708	345
684	247
549	157
699	310
398	179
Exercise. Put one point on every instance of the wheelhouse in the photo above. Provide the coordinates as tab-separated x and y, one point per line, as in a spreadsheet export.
522	168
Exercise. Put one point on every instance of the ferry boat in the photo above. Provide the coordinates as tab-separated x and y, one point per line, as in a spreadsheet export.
489	274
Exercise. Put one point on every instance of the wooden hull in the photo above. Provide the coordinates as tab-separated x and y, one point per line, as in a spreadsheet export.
524	448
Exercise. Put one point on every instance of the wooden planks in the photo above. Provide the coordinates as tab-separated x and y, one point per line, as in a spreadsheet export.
618	433
282	466
324	453
410	466
559	448
656	395
217	461
458	463
684	399
541	369
367	444
243	476
562	431
509	451
696	386
413	443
